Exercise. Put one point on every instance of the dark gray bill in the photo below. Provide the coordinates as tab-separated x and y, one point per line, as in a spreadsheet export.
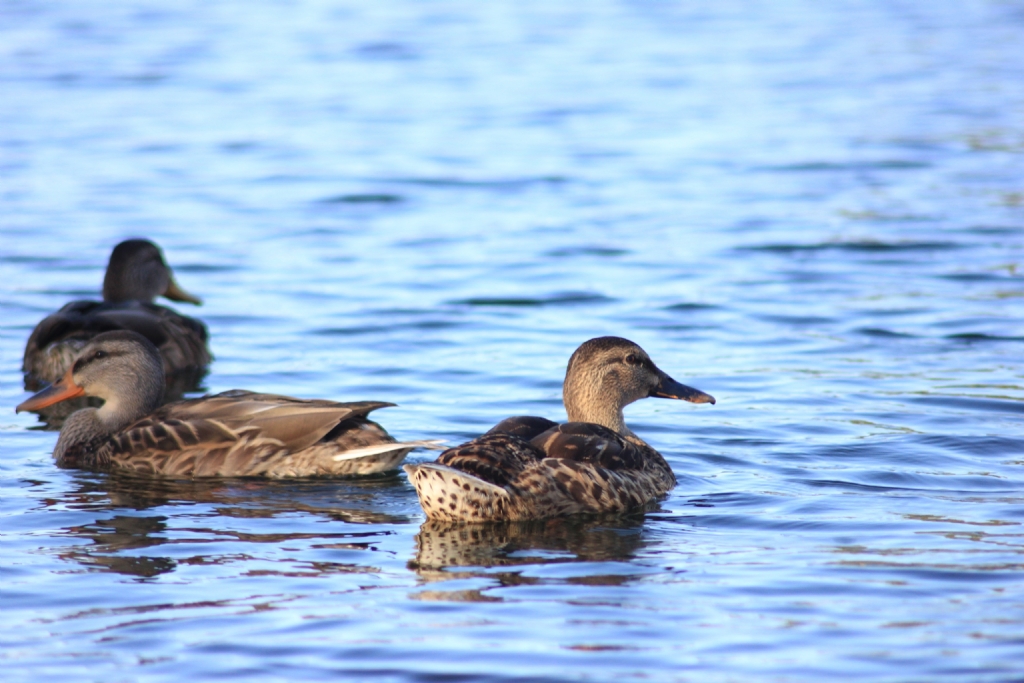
669	388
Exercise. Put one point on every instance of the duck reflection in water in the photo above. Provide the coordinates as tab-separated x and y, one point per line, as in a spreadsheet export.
447	551
115	542
120	539
442	544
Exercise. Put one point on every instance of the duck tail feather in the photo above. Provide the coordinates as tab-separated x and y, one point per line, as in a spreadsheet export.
449	494
379	448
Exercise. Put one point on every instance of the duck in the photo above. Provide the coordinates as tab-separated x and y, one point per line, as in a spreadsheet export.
529	467
231	434
136	275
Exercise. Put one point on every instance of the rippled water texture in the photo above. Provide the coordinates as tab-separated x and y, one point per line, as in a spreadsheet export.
812	211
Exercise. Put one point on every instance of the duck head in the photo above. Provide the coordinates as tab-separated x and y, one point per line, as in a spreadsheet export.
137	272
123	368
608	373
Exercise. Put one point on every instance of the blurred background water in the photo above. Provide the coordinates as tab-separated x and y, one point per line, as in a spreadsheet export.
812	211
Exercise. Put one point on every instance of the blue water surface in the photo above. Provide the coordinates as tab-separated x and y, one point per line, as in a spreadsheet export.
812	211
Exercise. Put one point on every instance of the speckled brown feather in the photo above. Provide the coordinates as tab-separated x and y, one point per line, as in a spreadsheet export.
571	468
498	459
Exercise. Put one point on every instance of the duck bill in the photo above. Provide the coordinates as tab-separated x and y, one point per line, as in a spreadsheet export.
669	388
176	293
60	390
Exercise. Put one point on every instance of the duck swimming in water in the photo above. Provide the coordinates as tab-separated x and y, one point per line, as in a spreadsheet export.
136	274
232	434
530	467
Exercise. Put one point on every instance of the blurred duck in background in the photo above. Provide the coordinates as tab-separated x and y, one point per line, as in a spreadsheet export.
136	274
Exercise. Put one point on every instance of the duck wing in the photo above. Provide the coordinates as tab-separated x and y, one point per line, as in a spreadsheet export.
296	423
181	340
61	324
89	318
185	448
236	433
503	453
517	444
497	459
525	427
584	442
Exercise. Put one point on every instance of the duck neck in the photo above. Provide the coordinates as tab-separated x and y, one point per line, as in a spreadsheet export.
587	403
126	400
117	413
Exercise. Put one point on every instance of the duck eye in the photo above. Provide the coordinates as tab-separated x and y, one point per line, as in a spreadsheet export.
631	359
100	354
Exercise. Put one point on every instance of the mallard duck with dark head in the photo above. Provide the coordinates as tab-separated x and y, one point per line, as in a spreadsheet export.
232	434
530	467
136	274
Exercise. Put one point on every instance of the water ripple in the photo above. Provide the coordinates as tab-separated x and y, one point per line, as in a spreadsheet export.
786	204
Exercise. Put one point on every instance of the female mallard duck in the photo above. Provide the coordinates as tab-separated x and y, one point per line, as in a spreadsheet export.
530	467
232	434
135	276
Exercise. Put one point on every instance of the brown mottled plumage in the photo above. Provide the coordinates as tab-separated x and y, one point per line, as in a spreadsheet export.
135	276
530	467
235	433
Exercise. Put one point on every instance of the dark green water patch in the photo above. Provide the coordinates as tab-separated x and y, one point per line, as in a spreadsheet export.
566	299
366	198
857	246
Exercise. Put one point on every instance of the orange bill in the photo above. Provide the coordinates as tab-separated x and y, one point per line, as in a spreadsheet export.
176	293
61	390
